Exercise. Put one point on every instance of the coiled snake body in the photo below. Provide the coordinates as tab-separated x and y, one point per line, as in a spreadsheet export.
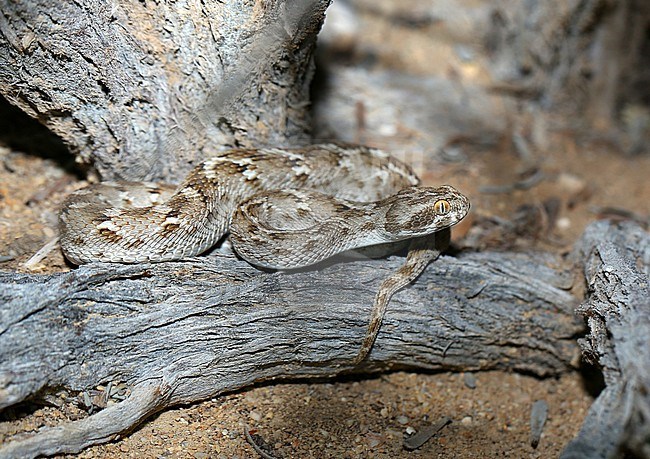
283	208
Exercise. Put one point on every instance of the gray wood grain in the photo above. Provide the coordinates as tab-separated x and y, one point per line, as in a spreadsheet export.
145	90
188	331
616	261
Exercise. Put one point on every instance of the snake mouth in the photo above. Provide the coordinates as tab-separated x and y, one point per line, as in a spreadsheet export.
418	211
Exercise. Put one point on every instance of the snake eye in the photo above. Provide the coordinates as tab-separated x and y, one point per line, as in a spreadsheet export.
442	207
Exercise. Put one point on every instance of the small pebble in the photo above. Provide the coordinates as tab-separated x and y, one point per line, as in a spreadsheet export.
402	419
470	380
538	415
464	53
393	433
466	421
410	430
372	442
571	184
48	232
255	416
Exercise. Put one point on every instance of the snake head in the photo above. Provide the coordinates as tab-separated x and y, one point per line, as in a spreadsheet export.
418	211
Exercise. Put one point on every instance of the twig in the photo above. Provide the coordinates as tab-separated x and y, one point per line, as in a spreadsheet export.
524	184
258	450
425	434
618	213
42	253
538	415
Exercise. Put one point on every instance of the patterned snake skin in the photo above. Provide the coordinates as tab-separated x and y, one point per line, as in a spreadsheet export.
284	208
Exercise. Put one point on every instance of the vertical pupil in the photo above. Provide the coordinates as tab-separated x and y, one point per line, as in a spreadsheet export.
442	207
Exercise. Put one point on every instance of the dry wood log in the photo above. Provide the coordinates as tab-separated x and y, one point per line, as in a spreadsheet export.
188	331
616	260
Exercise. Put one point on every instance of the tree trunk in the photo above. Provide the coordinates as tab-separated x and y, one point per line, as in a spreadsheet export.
143	90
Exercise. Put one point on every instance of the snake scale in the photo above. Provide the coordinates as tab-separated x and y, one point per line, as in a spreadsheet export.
283	208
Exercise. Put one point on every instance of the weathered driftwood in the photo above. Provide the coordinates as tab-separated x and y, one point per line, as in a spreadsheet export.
616	261
144	89
187	331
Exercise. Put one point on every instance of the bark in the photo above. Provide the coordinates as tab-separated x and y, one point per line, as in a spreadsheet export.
143	89
617	270
583	57
536	68
188	331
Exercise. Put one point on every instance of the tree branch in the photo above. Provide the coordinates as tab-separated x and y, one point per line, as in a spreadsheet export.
208	325
616	260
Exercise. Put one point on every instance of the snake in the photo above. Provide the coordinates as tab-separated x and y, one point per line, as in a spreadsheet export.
283	208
